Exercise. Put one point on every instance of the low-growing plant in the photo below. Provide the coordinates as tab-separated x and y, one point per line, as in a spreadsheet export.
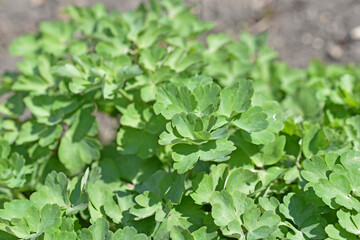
213	140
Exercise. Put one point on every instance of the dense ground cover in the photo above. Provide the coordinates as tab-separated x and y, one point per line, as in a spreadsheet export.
217	140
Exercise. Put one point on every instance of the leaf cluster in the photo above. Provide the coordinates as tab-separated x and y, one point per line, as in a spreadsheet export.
126	126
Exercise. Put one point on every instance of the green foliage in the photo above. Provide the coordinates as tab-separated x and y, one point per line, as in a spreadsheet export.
215	139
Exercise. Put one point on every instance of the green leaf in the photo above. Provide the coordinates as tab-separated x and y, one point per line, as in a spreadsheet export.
54	191
51	110
108	200
128	233
171	100
349	221
130	168
236	99
350	161
316	167
34	84
305	216
314	140
203	234
13	171
24	45
179	233
158	195
128	72
113	49
180	61
50	218
75	155
99	230
262	155
204	185
150	57
336	187
148	204
4	148
60	191
216	41
137	142
276	116
15	209
227	210
242	180
260	225
169	186
14	106
271	153
31	132
337	232
253	120
186	156
69	71
153	33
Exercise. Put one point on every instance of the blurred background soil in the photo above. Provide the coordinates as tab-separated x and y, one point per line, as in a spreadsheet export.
300	30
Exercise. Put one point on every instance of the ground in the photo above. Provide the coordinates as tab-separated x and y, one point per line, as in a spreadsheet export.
299	30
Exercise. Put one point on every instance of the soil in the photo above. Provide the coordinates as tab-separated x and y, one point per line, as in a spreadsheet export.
299	30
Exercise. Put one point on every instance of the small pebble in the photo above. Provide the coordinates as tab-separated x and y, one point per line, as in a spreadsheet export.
318	43
307	39
355	33
37	3
258	5
325	17
335	51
